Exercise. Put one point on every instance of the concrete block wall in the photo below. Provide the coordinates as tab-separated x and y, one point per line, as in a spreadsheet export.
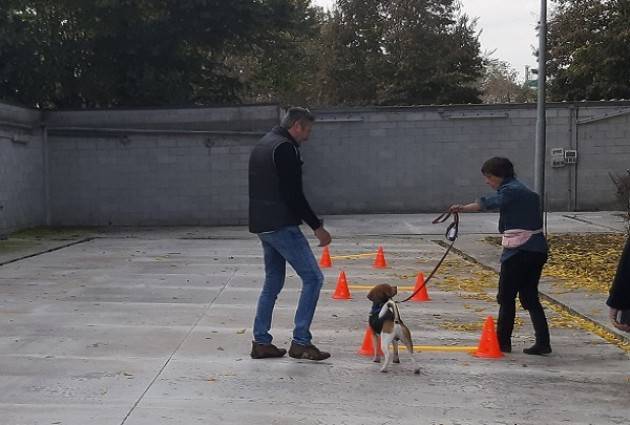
189	166
603	144
426	158
22	169
153	167
228	118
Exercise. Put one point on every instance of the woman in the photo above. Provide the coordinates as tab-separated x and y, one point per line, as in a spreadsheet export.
522	261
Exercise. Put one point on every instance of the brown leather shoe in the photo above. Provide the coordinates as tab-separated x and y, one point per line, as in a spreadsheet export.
264	351
307	352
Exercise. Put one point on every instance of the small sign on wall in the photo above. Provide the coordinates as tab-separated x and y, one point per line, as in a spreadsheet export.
562	157
557	157
570	156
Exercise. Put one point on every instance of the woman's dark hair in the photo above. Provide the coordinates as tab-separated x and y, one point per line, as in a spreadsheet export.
499	167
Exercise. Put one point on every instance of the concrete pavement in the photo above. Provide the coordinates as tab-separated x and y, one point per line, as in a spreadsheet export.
153	326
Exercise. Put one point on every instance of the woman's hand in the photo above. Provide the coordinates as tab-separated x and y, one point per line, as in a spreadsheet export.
459	208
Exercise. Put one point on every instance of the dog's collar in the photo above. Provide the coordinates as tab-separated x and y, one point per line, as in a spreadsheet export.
376	308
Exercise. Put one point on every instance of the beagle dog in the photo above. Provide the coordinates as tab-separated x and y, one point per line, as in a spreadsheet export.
385	322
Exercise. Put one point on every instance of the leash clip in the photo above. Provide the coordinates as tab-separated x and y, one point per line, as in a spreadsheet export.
451	232
453	229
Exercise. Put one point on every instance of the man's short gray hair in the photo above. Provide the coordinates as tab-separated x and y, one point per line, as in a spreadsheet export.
296	114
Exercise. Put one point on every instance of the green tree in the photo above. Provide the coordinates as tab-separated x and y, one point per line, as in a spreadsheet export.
589	47
500	84
74	53
352	64
433	54
400	52
102	53
280	66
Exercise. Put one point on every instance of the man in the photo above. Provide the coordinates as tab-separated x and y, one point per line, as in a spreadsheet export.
277	207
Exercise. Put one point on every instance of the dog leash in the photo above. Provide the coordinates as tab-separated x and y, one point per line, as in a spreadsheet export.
451	235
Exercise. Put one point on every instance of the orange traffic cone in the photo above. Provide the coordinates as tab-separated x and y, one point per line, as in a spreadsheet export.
489	343
367	348
422	294
379	262
325	261
342	292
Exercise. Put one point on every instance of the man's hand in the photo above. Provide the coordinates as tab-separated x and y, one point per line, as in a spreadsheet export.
323	236
456	208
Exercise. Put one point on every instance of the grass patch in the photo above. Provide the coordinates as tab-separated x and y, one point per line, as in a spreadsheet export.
10	245
53	233
33	239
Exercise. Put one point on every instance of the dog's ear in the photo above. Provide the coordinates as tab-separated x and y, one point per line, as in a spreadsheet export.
372	294
392	291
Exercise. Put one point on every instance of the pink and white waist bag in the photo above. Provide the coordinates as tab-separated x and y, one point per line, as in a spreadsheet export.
513	238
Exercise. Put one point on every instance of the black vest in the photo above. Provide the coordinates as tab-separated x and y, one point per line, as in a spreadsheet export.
268	211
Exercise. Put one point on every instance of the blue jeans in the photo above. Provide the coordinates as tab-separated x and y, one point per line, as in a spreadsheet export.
288	245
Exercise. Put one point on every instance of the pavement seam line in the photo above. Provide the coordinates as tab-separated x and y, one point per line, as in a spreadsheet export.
583	220
190	331
602	332
57	248
605	334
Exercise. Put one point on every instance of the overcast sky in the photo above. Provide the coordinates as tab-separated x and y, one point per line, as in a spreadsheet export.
507	26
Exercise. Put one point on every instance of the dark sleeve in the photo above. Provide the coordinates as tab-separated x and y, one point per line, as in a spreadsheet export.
491	202
495	201
289	167
620	289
